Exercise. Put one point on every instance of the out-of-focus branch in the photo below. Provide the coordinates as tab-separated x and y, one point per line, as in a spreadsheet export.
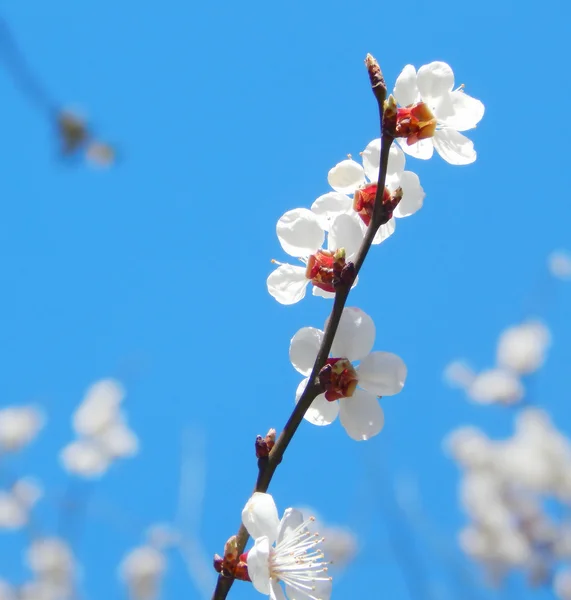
267	467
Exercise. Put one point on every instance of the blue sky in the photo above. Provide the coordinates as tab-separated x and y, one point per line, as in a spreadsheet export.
226	115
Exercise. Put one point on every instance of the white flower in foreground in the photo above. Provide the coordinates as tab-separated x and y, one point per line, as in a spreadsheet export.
356	388
522	348
496	385
295	559
302	235
559	264
142	571
348	176
19	425
433	114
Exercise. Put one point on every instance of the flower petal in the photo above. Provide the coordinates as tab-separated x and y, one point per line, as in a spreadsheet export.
287	284
258	562
396	163
412	195
462	111
355	335
454	147
346	232
84	458
276	592
260	517
303	349
322	293
346	176
328	206
434	81
361	415
382	373
299	232
385	231
422	149
291	520
321	412
406	89
320	588
371	159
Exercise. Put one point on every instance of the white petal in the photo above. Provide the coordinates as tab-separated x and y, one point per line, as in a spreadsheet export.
287	284
99	407
117	440
434	81
299	232
346	232
328	206
382	373
361	415
291	520
84	458
322	293
396	163
371	159
412	195
406	89
346	176
303	349
19	425
260	517
460	111
385	231
12	514
258	562
321	589
321	412
423	149
355	335
276	592
454	147
496	385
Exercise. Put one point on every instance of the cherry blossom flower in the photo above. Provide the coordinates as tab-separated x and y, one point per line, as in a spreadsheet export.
301	234
19	425
142	571
356	388
522	348
103	434
349	177
497	385
17	503
284	551
433	114
53	564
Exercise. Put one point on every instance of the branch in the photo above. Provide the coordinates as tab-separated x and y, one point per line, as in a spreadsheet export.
267	467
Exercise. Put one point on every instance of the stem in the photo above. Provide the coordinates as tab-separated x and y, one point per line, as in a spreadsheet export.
313	389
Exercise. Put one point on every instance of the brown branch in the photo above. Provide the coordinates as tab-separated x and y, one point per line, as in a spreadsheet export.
268	467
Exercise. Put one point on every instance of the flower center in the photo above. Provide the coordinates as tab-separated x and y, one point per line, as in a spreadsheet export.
324	268
298	562
415	123
364	202
338	378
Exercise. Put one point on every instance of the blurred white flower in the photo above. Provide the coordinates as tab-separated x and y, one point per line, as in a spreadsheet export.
469	447
104	435
522	348
17	503
459	374
496	385
19	425
142	571
52	562
7	591
559	263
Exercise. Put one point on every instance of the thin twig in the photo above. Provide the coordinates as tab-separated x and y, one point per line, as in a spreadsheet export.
313	389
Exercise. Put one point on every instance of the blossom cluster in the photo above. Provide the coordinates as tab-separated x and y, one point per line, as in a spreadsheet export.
504	488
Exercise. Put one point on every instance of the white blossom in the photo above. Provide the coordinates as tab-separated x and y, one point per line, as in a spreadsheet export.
559	264
294	560
377	374
454	111
142	571
19	425
17	503
496	385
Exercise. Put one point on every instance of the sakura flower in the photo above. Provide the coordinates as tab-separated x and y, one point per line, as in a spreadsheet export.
52	562
19	425
301	234
496	385
142	571
350	391
432	114
17	503
284	551
522	348
104	435
349	177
